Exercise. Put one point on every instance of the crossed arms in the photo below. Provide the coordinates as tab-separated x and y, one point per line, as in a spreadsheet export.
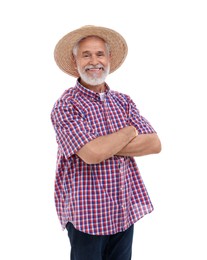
124	142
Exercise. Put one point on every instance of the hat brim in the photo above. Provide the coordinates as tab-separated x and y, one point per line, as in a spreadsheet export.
63	51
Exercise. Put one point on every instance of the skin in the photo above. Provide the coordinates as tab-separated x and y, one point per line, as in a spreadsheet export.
124	142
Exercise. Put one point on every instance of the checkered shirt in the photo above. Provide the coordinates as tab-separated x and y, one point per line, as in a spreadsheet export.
103	198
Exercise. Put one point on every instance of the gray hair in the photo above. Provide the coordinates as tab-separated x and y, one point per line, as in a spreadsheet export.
76	46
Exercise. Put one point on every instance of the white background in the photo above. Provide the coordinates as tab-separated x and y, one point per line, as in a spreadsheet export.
166	75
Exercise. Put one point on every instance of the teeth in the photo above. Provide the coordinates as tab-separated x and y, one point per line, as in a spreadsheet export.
94	69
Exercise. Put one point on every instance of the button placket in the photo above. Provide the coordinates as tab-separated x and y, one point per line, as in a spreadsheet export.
108	123
122	199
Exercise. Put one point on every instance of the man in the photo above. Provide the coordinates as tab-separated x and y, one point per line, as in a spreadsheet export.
99	192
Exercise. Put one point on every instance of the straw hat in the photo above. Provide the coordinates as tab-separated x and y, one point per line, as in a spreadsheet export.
63	50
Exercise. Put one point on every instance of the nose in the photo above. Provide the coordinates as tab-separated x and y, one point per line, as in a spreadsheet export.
94	60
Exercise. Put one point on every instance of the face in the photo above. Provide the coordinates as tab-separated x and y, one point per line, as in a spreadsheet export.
92	61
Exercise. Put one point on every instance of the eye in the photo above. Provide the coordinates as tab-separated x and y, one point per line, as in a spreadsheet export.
85	55
100	54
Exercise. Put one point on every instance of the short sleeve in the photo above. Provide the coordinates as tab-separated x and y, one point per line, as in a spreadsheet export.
139	122
71	127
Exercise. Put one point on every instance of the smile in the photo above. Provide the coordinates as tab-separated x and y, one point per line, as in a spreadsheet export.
94	69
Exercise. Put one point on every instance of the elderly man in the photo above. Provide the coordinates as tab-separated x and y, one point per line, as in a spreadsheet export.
99	192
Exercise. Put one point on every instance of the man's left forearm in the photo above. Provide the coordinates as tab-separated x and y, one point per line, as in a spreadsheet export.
143	144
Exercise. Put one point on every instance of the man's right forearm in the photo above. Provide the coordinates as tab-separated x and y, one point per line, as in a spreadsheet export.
104	147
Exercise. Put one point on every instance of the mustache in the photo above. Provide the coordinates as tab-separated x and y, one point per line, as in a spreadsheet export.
98	66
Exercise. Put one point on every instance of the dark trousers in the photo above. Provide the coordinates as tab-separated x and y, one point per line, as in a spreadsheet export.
109	247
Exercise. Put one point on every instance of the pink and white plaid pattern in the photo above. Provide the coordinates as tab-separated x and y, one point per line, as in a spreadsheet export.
104	198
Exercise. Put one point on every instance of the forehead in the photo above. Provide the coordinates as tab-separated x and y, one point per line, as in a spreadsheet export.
92	42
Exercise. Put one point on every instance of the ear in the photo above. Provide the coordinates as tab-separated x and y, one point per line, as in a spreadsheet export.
74	62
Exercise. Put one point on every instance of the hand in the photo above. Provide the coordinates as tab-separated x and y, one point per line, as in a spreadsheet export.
131	130
136	131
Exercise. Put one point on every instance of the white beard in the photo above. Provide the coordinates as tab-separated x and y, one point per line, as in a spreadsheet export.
93	80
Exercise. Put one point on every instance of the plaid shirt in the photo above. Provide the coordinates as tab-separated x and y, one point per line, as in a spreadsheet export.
104	198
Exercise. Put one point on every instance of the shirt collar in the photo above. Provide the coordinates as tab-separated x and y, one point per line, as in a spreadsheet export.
89	93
